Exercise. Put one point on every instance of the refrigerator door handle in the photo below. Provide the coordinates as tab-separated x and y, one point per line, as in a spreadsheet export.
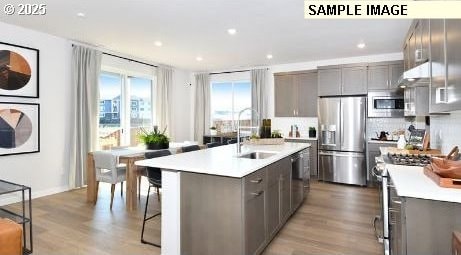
341	112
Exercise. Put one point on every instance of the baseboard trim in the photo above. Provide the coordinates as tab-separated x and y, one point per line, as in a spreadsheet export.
14	198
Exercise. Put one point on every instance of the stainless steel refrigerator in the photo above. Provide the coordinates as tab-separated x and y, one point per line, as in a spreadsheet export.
342	139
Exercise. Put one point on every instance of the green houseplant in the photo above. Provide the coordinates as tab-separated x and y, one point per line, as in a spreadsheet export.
154	140
312	132
213	130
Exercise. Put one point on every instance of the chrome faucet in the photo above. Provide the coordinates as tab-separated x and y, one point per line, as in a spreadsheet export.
239	144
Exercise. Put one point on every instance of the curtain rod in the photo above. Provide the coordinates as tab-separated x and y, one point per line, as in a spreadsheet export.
237	71
129	59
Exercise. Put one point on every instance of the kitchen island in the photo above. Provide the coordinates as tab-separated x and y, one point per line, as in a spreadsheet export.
422	215
214	202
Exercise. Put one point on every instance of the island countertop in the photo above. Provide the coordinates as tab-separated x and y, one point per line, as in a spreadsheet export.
222	160
410	181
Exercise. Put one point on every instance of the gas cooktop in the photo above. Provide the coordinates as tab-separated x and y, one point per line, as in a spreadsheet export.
408	159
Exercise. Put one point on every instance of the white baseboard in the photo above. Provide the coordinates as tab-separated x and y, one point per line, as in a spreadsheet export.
16	197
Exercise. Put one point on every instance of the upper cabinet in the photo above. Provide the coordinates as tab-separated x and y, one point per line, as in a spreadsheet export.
384	75
329	81
416	47
354	80
445	45
342	80
295	94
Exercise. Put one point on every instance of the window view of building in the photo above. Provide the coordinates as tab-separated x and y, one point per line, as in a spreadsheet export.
227	100
113	129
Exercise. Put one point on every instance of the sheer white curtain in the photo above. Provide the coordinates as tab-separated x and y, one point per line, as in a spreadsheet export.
86	66
202	105
259	92
163	98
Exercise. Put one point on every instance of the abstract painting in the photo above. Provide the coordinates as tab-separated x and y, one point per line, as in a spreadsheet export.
19	128
18	71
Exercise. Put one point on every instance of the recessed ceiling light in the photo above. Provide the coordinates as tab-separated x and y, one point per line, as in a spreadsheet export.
232	31
81	15
199	58
269	56
361	45
158	43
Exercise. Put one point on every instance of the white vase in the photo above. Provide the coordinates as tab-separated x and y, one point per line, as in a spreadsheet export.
401	142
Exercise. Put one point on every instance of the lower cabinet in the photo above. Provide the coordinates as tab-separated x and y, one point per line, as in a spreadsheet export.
228	216
255	229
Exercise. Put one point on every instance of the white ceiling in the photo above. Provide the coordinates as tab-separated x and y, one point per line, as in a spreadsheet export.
191	28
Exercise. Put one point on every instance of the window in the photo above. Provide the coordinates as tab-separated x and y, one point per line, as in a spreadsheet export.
227	100
119	125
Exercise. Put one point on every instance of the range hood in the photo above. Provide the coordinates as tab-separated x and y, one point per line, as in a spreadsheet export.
417	76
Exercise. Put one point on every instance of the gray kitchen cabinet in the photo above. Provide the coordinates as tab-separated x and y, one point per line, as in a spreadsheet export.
411	50
384	75
285	191
416	101
329	81
255	229
354	80
306	94
378	77
445	88
284	89
395	71
296	94
273	209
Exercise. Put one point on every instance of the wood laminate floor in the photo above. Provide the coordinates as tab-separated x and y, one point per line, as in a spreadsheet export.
335	219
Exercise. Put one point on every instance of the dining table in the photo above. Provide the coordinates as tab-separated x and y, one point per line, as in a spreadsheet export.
127	156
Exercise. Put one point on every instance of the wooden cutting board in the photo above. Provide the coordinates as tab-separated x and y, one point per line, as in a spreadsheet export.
403	151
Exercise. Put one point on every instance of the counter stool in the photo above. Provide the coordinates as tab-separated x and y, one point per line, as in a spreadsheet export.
154	176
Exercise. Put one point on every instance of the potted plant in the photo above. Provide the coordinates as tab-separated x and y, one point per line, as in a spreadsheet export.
154	140
312	132
213	130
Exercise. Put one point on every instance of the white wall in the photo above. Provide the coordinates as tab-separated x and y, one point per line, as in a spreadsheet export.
181	118
46	171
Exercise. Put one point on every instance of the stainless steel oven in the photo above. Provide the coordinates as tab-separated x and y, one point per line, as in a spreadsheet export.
386	104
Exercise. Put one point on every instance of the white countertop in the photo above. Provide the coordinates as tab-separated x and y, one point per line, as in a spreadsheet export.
222	160
301	138
410	181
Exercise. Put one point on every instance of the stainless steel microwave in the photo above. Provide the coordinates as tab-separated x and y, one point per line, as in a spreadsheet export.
385	104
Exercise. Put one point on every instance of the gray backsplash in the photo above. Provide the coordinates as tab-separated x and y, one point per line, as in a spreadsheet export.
446	131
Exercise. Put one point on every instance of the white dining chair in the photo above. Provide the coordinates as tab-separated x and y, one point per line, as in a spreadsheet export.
109	171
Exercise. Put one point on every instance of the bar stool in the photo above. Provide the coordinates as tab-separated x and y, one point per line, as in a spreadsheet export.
154	176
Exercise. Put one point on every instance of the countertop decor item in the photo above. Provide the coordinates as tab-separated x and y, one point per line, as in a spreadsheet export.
154	140
312	132
401	142
19	71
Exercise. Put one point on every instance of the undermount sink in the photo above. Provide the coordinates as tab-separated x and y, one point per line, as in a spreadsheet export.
257	155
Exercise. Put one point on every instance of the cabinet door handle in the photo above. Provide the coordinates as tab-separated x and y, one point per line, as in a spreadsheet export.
259	180
257	194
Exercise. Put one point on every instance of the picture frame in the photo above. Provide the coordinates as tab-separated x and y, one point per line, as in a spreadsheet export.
19	128
19	71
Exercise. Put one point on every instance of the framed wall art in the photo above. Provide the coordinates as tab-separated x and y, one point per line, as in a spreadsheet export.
19	71
19	128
